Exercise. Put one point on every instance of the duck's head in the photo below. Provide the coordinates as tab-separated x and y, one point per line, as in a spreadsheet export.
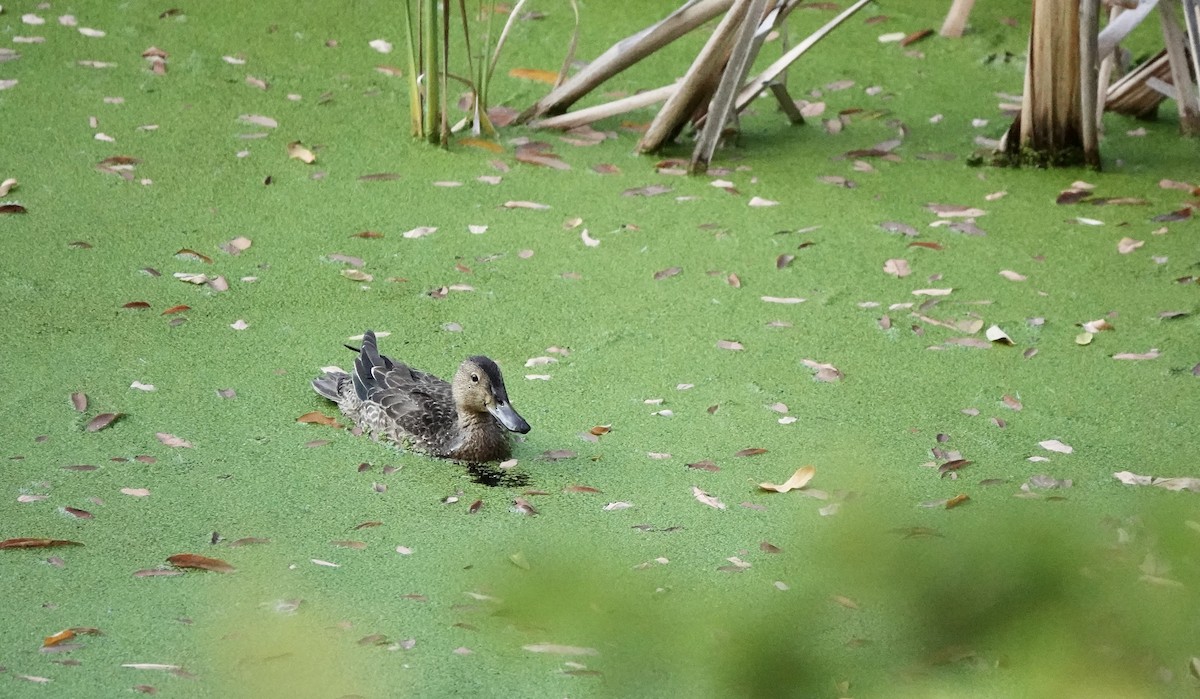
479	388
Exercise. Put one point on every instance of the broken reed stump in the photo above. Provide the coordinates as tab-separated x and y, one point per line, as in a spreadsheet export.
1132	94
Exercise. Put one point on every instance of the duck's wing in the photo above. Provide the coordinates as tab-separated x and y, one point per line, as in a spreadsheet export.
419	403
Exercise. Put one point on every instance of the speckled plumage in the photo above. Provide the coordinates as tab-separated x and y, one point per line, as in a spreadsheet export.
467	420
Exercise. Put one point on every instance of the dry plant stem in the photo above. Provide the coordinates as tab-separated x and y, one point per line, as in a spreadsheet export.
1122	25
1108	66
786	104
744	50
1185	89
625	53
768	76
956	18
566	64
580	117
1191	12
1089	74
697	84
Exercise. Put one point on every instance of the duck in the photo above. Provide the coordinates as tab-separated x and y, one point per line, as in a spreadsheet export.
467	419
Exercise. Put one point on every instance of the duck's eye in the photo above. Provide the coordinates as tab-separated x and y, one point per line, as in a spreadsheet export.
474	378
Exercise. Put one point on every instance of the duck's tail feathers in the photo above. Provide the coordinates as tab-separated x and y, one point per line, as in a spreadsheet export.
330	385
364	365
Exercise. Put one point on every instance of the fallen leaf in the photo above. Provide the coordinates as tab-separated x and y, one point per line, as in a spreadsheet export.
729	345
525	205
1152	354
759	202
707	499
557	649
102	421
995	334
667	273
171	440
548	77
136	492
1128	245
956	501
897	268
35	543
798	480
1055	445
1012	276
296	150
827	373
380	45
932	292
198	562
781	299
705	465
136	305
79	401
753	451
318	418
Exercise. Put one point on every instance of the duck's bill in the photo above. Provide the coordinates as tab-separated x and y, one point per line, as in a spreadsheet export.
509	417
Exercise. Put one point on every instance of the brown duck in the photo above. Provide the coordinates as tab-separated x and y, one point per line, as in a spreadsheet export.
467	419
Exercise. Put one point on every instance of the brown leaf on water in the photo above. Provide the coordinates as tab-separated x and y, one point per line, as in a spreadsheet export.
79	401
557	455
1072	196
768	547
784	261
12	209
102	421
482	144
733	280
318	418
1178	215
76	512
189	254
297	151
524	507
599	430
667	273
537	153
136	305
581	489
1183	186
705	465
198	562
956	501
1012	402
707	499
798	480
548	77
651	190
753	451
827	373
926	244
55	639
36	543
953	465
348	544
176	309
171	440
916	36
